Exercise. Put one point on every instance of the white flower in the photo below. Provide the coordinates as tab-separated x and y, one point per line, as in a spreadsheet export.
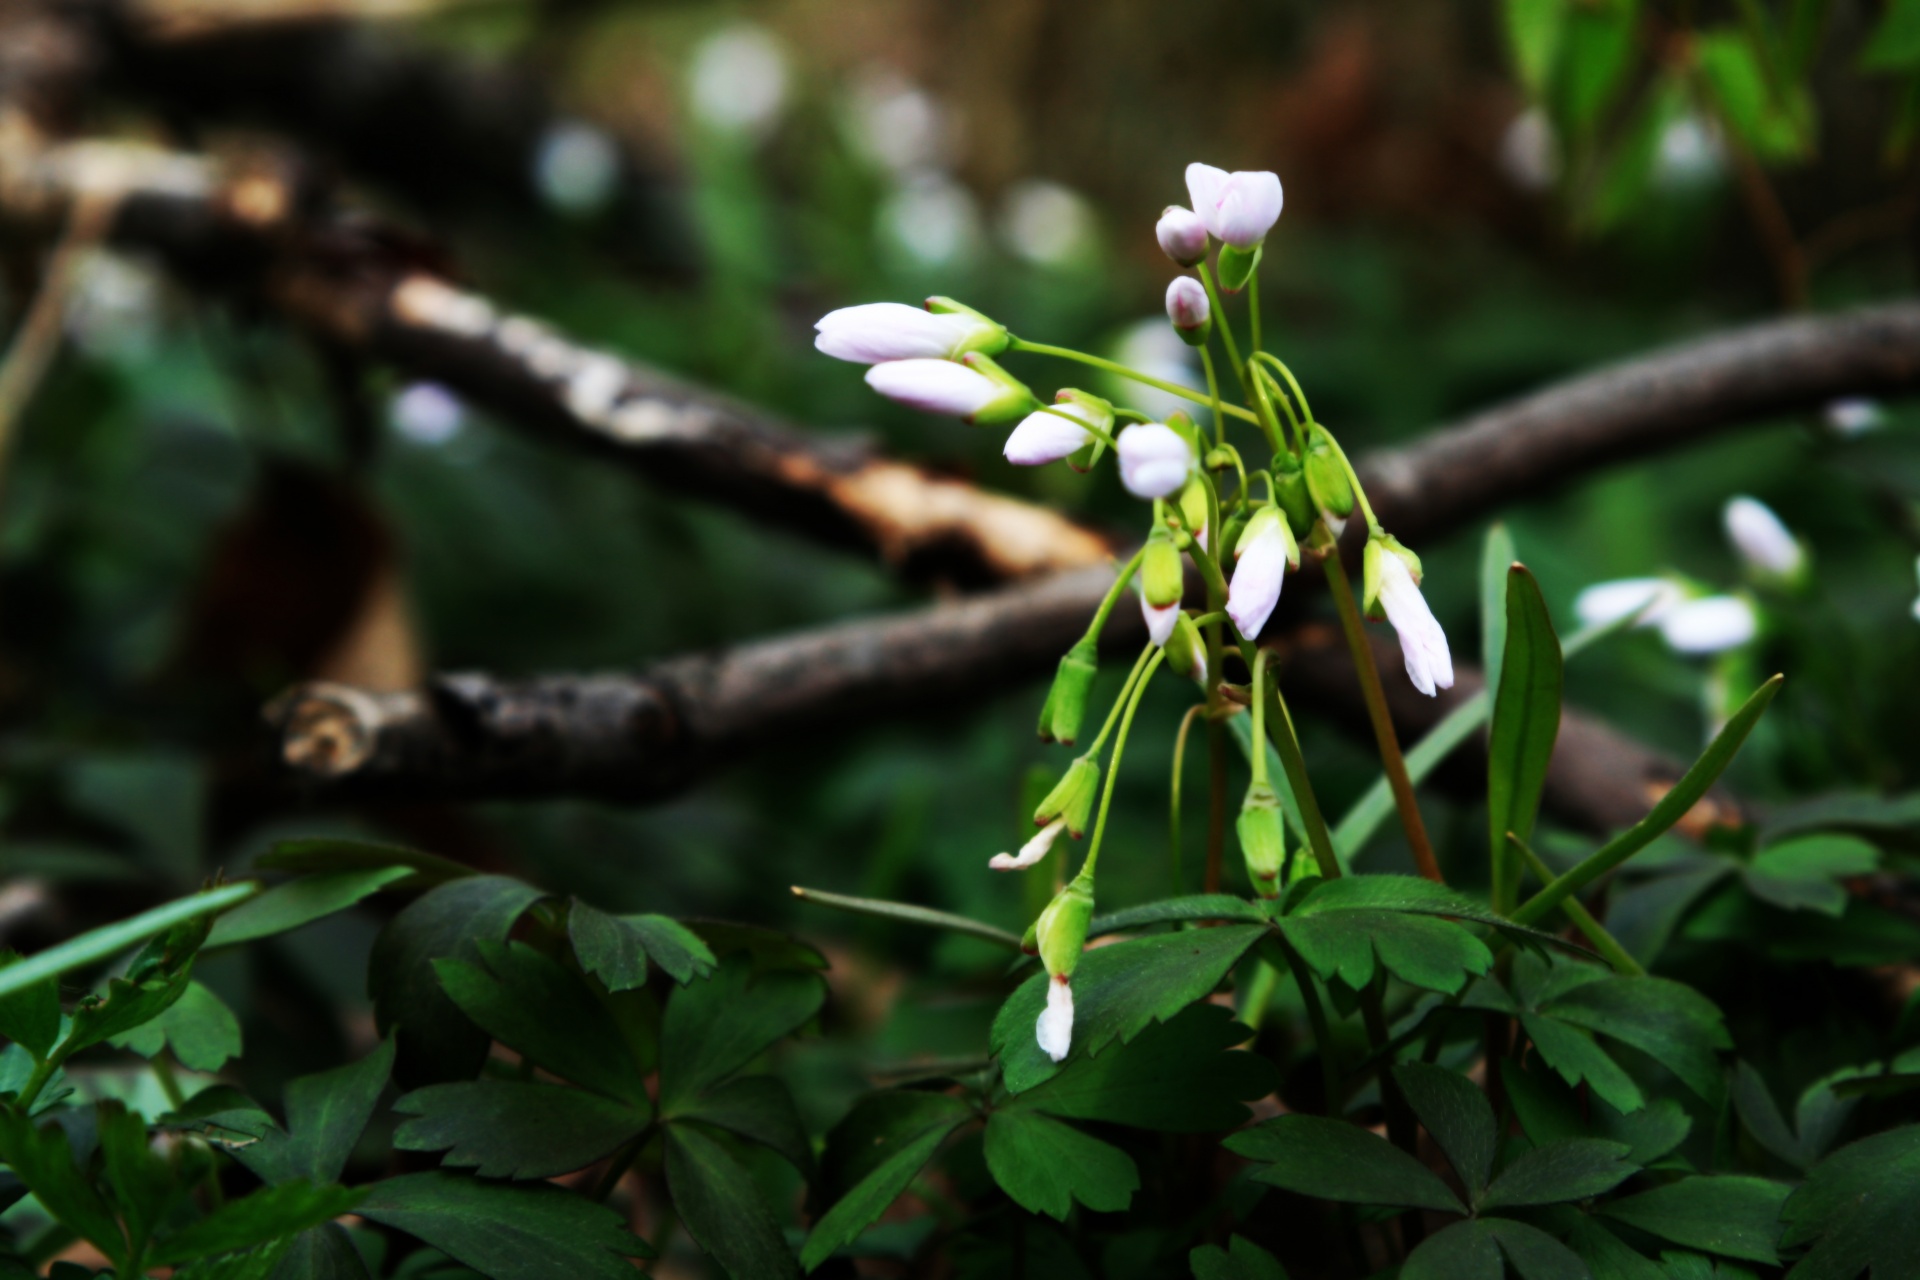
1054	1028
1422	643
877	332
1032	851
1161	621
1239	208
1044	436
1709	625
576	167
427	413
937	386
1529	151
1263	554
1762	541
739	79
1916	603
1182	236
1187	304
1155	460
1854	416
1646	600
1046	223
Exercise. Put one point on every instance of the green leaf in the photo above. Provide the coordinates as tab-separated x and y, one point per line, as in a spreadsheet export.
1574	1055
1895	43
255	1219
326	1113
1199	906
436	1039
260	1263
324	1252
1526	721
1333	1160
1551	1111
505	1231
1668	1021
1801	873
1533	37
1731	1215
1458	1116
288	906
1672	807
1463	1251
1758	1111
1242	1259
110	940
1373	808
723	1208
1597	50
869	1198
1118	991
515	1128
872	1156
30	1015
1574	1169
142	1184
766	948
42	1159
202	1030
1181	1076
1497	555
1856	1210
1047	1164
1607	1256
615	948
1775	120
759	1109
535	1005
715	1027
327	855
1418	949
154	981
1642	917
1534	1254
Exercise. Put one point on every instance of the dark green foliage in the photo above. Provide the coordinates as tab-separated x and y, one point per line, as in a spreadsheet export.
199	1029
871	1157
515	1128
723	1208
1240	1260
716	1026
1729	1214
1525	723
325	1116
1333	1160
302	901
507	1232
615	949
1856	1210
1046	1164
1180	1076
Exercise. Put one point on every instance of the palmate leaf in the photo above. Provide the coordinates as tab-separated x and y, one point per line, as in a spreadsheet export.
265	1215
199	1027
1332	1160
515	1128
723	1207
1560	1172
42	1158
1117	992
1804	873
1526	721
505	1231
1550	1111
30	1016
714	1027
872	1156
1046	1164
616	949
758	1109
1457	1114
1729	1214
1473	1251
326	1113
325	1252
1181	1076
1343	927
302	901
1199	906
1242	1259
1856	1210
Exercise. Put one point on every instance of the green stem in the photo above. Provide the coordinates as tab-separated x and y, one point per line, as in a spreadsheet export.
1293	383
1253	312
42	1072
907	913
1269	424
1105	436
1113	765
169	1080
1383	733
1105	610
1259	994
1213	394
1220	324
1280	732
1603	941
1113	713
1113	367
1177	880
1317	1021
1259	717
622	1161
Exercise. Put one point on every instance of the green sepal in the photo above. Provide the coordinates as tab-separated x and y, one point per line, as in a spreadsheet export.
1066	704
1237	266
993	337
1072	797
1326	475
1262	842
1290	493
1015	401
1186	650
1162	579
1061	930
1379	546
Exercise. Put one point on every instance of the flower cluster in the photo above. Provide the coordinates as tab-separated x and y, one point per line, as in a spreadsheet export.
1220	514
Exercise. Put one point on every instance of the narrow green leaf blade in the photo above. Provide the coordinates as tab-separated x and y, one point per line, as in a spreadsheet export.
869	1197
1497	558
110	940
907	913
288	906
1526	721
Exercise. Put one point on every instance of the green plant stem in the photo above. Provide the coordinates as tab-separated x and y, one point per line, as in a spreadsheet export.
1114	367
1216	804
1113	765
1400	1123
1253	314
1099	433
1114	592
907	913
1259	993
162	1064
42	1072
1176	879
1213	394
1317	1022
1603	941
1221	326
1277	440
622	1161
1113	712
1353	477
1259	758
1384	736
1293	383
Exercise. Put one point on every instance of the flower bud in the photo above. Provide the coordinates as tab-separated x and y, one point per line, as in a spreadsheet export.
1014	400
1239	208
881	332
1061	930
1290	492
1155	460
1236	266
1066	704
1072	797
1771	552
1045	436
988	336
1392	584
1030	852
1193	511
1189	310
975	389
1163	580
1262	842
1187	650
1327	482
1373	564
1182	235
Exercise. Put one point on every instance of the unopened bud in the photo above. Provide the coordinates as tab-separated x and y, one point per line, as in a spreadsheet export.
1290	493
1237	266
1061	931
1189	310
1327	482
1193	510
1372	564
1072	797
1162	579
988	337
1066	704
1187	650
1262	842
1182	235
1013	401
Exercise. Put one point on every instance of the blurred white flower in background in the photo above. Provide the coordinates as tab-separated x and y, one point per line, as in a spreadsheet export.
576	167
114	308
426	413
1152	347
1690	154
1649	598
898	125
738	80
1916	602
1854	416
1762	541
934	220
1712	624
1529	151
1046	223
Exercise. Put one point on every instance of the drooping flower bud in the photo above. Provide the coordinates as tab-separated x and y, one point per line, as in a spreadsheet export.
1290	492
1162	578
977	390
1182	235
1066	704
1053	1029
1071	799
1187	650
1155	460
1770	551
1262	840
1030	852
1045	436
1265	550
1193	512
1061	935
1645	600
1160	620
879	332
1392	585
1189	310
1327	482
1239	208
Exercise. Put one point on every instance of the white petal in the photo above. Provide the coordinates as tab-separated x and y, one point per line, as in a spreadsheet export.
1030	852
1651	599
1255	588
1249	206
877	332
1187	305
1044	437
1762	541
1054	1028
1155	460
1160	622
1422	643
1205	185
1710	625
936	386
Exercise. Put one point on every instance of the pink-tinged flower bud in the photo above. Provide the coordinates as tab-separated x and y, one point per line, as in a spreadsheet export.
1182	235
1155	460
1045	436
1239	208
1032	851
1711	625
877	332
1265	550
1161	620
1188	308
1769	550
969	391
1390	584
